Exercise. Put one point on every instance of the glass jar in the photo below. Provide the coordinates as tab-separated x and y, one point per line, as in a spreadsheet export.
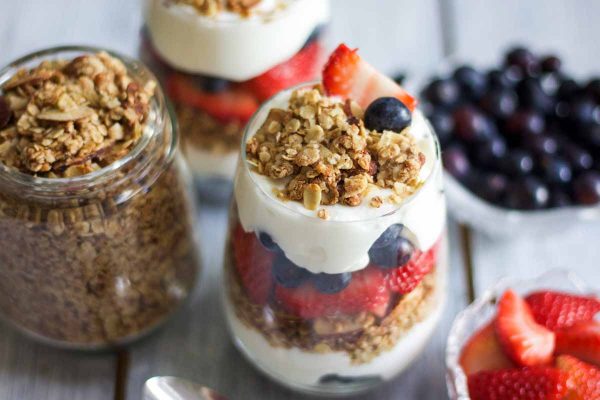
285	318
101	259
218	69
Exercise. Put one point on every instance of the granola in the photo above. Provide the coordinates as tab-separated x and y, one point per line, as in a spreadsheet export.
69	118
213	7
321	143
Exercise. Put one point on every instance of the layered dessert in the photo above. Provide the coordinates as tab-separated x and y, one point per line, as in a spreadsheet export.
545	345
335	268
218	60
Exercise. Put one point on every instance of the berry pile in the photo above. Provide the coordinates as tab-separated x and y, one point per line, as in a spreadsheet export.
522	136
268	276
545	346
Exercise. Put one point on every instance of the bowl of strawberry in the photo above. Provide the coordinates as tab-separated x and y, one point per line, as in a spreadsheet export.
520	141
537	339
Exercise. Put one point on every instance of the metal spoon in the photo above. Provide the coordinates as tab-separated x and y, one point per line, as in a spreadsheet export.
171	388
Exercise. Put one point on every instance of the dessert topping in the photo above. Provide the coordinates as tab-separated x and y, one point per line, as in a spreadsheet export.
213	7
69	118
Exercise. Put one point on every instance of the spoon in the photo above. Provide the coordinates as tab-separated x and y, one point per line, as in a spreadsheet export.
172	388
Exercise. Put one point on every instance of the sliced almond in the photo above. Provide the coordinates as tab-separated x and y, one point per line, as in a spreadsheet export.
312	196
64	116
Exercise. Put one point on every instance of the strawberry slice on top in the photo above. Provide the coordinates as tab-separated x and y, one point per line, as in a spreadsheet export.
557	310
348	76
524	340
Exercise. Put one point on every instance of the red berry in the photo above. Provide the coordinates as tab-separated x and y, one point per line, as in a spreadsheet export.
557	310
406	278
253	264
584	379
525	341
302	67
226	106
346	75
366	292
581	340
483	352
529	383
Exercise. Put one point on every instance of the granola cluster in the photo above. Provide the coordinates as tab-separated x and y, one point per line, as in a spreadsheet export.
69	118
321	148
213	7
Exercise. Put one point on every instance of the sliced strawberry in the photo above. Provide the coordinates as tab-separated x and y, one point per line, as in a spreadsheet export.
253	264
581	340
557	310
483	352
584	379
525	341
302	67
406	278
227	106
366	292
346	75
529	383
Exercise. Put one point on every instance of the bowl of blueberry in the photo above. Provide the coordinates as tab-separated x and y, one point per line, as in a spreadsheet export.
520	142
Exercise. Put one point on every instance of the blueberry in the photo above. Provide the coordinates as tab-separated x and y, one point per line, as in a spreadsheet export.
442	92
472	82
500	103
395	254
541	144
559	198
502	78
567	90
584	111
443	125
287	273
267	241
586	188
456	162
525	122
528	193
523	59
332	283
591	135
592	89
532	95
518	163
387	113
578	157
490	152
555	170
211	84
492	187
472	125
551	64
389	236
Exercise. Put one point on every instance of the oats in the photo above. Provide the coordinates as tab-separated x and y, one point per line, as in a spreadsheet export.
376	202
312	196
323	214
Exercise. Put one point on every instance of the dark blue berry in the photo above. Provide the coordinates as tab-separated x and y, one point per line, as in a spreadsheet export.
528	193
541	144
518	163
490	152
579	158
523	59
214	85
559	198
395	254
442	92
268	243
526	122
551	64
584	111
288	274
443	125
532	95
501	103
555	170
387	113
472	125
492	187
390	235
587	188
456	162
332	283
472	82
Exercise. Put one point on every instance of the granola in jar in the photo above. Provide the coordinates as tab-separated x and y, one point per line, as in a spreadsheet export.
95	215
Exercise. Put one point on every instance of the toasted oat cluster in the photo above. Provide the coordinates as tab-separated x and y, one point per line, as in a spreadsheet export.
321	147
69	118
213	7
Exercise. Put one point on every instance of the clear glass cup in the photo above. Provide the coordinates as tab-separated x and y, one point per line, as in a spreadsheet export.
479	313
212	109
98	260
323	343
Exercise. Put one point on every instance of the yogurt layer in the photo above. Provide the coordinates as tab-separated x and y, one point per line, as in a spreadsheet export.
228	45
341	243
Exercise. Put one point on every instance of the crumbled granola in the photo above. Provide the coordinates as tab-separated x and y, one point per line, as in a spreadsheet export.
213	7
72	117
321	142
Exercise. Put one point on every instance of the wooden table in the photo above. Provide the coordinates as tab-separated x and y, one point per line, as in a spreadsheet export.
397	35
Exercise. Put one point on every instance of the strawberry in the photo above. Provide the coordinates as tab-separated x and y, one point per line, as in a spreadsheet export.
302	67
524	340
226	106
253	264
528	383
581	340
584	379
406	278
366	292
557	310
483	352
346	75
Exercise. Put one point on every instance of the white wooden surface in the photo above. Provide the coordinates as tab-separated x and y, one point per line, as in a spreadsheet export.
395	35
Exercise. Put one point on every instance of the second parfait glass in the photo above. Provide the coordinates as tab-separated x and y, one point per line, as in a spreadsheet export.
302	334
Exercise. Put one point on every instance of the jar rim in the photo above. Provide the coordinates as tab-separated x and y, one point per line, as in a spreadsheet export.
156	123
248	131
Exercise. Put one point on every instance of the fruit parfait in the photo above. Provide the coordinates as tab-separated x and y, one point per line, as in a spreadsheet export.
534	340
335	267
218	62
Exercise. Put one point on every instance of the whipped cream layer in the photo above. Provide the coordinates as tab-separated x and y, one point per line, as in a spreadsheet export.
341	243
301	369
229	45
